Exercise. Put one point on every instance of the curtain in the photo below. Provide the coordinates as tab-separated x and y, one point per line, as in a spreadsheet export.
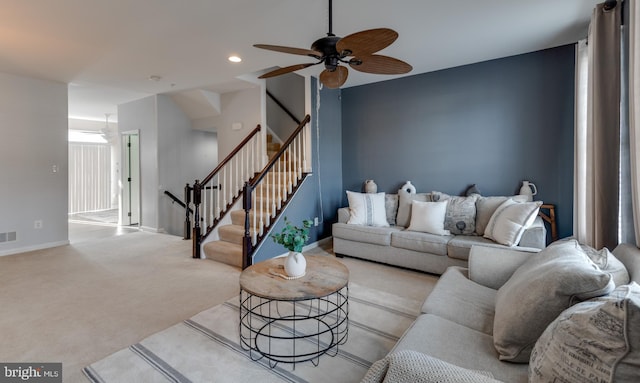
634	112
597	187
581	215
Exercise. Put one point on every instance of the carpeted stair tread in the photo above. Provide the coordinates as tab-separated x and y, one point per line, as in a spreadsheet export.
231	233
224	252
237	217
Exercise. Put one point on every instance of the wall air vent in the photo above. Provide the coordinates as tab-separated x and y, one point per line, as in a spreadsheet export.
8	237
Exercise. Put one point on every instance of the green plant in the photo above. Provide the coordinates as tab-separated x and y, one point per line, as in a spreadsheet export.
293	238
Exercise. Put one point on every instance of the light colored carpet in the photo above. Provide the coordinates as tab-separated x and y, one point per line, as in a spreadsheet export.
206	347
112	288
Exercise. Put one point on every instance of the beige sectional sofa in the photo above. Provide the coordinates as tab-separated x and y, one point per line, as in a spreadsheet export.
462	318
422	251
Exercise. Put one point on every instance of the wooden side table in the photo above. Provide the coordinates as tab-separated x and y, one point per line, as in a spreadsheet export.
550	218
297	320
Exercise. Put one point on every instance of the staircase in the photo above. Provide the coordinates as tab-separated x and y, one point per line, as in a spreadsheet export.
265	192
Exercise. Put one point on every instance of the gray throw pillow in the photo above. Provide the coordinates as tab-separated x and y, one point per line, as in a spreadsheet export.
403	218
593	341
606	261
538	291
485	207
461	215
391	207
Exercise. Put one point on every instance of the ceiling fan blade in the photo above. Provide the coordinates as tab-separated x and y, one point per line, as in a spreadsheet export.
286	69
380	64
334	79
294	51
366	42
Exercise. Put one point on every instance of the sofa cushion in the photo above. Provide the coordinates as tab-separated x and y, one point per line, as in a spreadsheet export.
367	209
404	205
460	300
486	206
461	213
428	217
459	345
366	234
416	367
538	291
422	242
596	341
460	245
510	220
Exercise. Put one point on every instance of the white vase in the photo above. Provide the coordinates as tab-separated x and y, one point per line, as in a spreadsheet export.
295	265
526	190
409	188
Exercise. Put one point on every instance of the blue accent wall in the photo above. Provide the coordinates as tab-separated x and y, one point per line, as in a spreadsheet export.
493	124
321	193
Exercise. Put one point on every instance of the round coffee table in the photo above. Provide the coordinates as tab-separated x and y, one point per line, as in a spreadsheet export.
296	320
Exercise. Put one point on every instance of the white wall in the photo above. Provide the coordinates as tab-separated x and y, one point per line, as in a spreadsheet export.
172	155
244	107
141	115
33	124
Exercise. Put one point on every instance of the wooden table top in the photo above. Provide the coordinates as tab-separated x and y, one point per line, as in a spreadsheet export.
324	276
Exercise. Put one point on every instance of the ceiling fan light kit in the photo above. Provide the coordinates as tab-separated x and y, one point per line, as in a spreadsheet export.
357	50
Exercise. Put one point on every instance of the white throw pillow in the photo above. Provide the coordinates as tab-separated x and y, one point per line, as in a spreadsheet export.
509	221
367	209
428	217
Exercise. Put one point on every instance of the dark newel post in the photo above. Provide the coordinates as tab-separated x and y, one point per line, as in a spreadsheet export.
197	234
246	240
187	217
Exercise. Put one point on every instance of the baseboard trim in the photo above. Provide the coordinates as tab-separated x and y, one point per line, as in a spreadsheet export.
27	249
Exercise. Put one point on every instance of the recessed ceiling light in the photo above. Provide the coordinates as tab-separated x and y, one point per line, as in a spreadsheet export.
235	59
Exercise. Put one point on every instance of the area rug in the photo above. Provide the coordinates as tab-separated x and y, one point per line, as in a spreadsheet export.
206	348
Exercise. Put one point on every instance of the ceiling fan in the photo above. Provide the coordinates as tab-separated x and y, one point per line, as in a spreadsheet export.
357	49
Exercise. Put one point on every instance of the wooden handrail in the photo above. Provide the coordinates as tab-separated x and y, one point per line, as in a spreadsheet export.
283	149
231	155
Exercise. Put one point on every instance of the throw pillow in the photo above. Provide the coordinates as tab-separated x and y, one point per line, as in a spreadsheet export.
594	341
510	220
486	206
606	261
428	217
538	291
403	217
367	209
391	207
461	215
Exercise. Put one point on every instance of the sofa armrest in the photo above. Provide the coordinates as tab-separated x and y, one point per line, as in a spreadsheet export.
343	215
492	266
629	255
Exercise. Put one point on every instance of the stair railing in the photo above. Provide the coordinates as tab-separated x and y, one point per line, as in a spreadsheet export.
217	192
266	195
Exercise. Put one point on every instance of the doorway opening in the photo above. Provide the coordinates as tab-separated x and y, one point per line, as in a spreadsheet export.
130	182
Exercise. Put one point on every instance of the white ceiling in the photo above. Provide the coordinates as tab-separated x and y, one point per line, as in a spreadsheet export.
107	49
